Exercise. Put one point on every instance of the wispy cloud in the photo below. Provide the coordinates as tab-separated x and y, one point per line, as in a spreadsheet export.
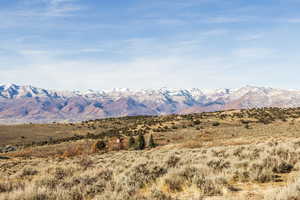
58	2
253	53
175	4
227	19
33	52
105	75
46	8
91	50
294	20
251	37
171	21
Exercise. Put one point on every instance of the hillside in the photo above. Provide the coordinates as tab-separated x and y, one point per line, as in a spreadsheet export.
24	104
236	154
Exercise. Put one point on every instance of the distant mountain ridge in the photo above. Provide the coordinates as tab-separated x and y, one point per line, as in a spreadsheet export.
23	104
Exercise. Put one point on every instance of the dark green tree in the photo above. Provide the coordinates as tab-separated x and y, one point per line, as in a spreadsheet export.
100	145
140	142
151	142
131	142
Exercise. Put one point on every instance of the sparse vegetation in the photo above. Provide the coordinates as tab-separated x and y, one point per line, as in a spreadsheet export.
221	159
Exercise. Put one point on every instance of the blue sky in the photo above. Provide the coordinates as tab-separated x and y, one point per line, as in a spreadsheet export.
102	44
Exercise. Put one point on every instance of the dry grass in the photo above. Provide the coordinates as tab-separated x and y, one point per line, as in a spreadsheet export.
163	173
195	160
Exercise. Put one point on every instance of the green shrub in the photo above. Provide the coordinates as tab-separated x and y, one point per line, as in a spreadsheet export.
197	122
99	145
151	142
140	142
174	127
131	142
216	124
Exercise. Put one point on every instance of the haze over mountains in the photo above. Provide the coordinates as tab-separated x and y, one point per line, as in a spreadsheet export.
19	104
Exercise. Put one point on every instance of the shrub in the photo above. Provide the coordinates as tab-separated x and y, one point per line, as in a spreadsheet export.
172	161
98	146
261	174
140	142
131	142
219	164
62	173
74	151
197	122
216	124
139	175
7	186
28	172
283	168
151	142
247	126
159	195
289	192
174	183
85	162
188	176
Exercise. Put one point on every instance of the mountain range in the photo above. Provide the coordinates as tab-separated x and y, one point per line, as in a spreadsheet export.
24	104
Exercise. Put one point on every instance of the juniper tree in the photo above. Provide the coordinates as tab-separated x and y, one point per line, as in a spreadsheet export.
99	146
151	142
131	142
140	142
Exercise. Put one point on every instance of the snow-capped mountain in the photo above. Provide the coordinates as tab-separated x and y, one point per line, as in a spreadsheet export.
32	104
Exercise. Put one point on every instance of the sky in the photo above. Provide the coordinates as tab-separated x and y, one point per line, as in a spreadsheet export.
104	44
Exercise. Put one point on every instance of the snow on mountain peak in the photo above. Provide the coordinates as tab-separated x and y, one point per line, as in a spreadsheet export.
81	105
9	86
186	95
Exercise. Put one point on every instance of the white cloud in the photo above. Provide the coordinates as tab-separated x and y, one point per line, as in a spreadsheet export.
253	53
56	2
294	20
171	22
148	72
225	19
214	32
46	8
33	52
91	50
62	11
250	37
